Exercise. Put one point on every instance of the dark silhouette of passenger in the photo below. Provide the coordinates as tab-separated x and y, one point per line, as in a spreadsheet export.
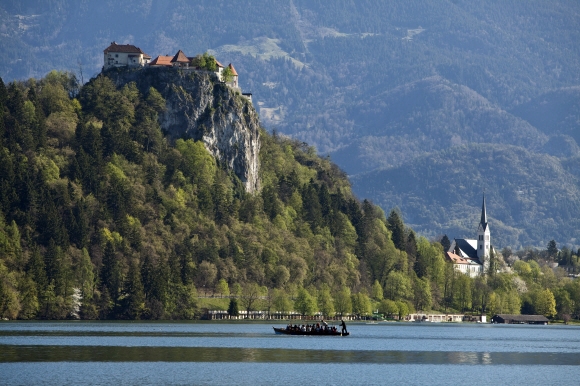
343	325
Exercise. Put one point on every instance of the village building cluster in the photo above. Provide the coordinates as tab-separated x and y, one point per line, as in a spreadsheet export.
128	55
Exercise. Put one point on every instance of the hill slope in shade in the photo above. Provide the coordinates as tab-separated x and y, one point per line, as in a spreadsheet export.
427	116
554	112
531	198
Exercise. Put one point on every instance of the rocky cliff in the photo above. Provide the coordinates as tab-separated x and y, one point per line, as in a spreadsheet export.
199	106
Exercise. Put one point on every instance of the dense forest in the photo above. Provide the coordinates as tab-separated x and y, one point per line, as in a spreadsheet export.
103	217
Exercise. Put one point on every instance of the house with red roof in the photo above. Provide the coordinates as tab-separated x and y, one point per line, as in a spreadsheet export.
464	265
124	55
180	60
161	61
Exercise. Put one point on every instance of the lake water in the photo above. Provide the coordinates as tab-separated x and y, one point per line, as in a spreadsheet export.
201	353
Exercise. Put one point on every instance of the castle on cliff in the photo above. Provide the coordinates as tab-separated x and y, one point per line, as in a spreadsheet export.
128	55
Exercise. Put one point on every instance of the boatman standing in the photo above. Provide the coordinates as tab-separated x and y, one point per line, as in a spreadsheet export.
343	325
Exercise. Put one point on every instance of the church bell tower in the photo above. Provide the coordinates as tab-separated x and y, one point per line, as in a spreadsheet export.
483	239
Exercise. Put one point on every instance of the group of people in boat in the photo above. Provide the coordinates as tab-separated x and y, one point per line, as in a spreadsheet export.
320	328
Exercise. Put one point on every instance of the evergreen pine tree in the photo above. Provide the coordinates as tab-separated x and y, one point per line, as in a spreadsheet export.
397	228
446	243
134	301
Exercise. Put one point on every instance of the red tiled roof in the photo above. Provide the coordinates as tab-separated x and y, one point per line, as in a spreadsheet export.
231	66
126	48
455	259
180	58
161	61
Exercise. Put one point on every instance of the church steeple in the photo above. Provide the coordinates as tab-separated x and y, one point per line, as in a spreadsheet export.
483	237
483	221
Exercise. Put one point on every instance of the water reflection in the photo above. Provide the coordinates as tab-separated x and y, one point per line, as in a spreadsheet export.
19	353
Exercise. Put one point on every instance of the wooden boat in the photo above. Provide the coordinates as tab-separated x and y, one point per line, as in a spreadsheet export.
313	333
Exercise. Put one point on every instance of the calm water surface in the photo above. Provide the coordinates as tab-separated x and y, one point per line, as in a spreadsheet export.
248	354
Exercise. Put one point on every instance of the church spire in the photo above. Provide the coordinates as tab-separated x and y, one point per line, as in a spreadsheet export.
483	238
483	221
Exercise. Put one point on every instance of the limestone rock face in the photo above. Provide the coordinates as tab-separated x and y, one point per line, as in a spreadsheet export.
199	106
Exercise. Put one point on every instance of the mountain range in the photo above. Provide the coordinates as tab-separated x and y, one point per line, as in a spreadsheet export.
425	104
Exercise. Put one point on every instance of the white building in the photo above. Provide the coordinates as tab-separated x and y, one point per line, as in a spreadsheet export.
124	55
472	256
465	265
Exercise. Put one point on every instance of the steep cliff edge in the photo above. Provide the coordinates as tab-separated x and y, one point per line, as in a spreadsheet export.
198	106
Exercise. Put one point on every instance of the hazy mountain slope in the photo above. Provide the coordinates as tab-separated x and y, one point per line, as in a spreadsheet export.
531	198
426	116
554	112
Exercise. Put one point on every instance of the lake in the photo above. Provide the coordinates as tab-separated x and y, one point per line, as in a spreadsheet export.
210	353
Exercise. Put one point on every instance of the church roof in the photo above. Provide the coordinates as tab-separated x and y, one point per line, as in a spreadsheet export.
180	58
467	247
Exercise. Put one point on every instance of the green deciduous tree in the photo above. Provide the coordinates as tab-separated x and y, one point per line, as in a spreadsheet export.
204	62
403	309
398	286
545	303
343	302
305	303
361	304
281	301
222	287
422	297
389	308
250	297
325	301
227	75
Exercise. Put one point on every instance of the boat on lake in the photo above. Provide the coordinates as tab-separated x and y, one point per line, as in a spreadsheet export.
314	332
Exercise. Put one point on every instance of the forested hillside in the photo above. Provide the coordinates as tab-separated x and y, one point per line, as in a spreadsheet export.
374	84
101	212
103	217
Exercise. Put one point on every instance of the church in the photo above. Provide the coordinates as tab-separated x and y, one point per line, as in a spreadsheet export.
469	256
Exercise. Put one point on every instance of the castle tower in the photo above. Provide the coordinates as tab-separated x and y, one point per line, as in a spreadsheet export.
483	238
